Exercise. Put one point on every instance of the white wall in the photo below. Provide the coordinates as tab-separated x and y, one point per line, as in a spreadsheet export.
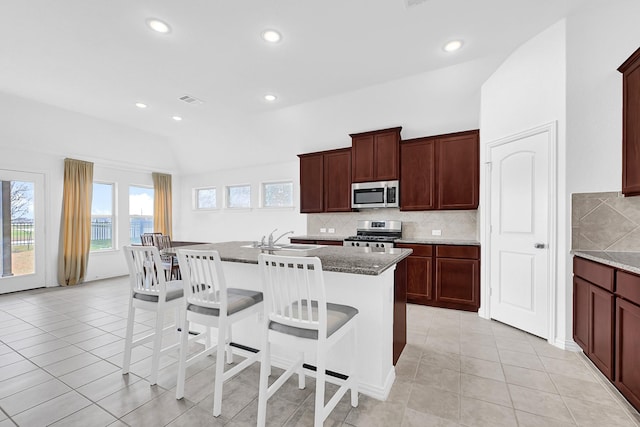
527	91
243	224
35	137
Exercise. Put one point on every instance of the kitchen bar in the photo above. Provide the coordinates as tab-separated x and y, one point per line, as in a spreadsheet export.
357	277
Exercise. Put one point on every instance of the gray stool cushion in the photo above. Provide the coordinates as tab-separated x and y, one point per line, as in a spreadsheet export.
237	300
337	316
174	290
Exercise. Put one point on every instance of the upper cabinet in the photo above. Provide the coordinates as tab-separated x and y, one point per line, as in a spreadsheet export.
631	125
376	155
440	172
325	181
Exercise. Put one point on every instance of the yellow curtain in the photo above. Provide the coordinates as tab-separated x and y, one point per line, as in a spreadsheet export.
162	202
75	230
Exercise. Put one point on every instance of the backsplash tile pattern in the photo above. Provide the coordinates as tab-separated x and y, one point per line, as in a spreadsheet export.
461	225
605	222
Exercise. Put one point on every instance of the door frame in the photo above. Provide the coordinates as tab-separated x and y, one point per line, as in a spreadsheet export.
552	238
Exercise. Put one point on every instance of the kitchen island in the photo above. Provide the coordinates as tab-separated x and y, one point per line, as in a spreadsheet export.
357	277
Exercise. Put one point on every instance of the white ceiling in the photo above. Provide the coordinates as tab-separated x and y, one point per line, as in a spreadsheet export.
99	58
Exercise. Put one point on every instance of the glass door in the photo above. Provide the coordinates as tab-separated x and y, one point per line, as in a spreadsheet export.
21	231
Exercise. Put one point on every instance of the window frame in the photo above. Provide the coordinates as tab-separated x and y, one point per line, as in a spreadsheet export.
263	184
195	199
113	216
227	197
129	215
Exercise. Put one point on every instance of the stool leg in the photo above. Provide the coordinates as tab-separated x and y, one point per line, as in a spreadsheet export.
320	377
182	362
265	370
157	347
353	367
128	340
228	345
219	380
301	377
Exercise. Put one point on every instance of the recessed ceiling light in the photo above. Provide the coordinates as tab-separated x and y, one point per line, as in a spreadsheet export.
453	45
141	105
158	26
270	97
271	36
176	118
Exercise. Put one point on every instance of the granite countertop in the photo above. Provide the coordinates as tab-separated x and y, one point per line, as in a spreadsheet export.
629	261
334	258
407	240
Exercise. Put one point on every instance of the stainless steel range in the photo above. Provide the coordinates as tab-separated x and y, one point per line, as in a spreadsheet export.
375	234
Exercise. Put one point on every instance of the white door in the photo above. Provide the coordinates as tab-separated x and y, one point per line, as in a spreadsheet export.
21	231
520	201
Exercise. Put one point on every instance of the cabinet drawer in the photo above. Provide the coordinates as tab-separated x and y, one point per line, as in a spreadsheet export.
596	273
452	251
418	250
628	286
302	241
329	242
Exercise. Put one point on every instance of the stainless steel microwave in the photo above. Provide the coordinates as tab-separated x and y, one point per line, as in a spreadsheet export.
380	194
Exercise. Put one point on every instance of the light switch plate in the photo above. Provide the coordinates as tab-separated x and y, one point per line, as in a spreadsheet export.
323	230
436	232
332	230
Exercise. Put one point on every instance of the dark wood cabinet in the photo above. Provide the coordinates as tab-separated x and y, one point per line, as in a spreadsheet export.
317	242
457	280
418	174
630	70
593	317
419	274
627	350
454	282
400	310
311	182
325	181
376	155
337	180
440	172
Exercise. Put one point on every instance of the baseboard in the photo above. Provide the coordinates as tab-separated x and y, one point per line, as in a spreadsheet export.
569	345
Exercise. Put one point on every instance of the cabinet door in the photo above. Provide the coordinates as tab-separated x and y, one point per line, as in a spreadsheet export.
417	175
458	166
458	283
311	183
419	285
601	320
631	125
362	159
581	294
627	370
400	310
337	181
386	152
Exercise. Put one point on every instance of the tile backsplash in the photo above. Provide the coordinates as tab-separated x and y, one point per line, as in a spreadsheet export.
461	225
605	222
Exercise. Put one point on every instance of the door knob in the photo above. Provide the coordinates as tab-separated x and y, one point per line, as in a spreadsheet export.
539	245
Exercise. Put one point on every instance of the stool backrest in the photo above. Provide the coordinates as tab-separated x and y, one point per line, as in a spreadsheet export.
163	241
149	239
291	286
203	278
144	264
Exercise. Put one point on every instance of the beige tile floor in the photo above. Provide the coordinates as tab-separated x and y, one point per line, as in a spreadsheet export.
61	353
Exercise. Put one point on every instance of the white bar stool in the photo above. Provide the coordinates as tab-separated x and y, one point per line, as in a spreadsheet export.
299	318
152	292
209	302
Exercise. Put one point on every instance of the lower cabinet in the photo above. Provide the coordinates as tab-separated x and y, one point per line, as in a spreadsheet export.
444	276
593	317
316	242
606	322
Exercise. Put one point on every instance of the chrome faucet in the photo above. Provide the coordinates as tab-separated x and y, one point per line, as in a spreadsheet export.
272	241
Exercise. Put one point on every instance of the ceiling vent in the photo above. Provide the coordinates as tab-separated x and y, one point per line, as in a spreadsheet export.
191	100
411	3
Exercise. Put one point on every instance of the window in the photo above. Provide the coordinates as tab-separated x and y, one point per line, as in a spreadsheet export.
206	198
140	212
239	196
277	194
102	217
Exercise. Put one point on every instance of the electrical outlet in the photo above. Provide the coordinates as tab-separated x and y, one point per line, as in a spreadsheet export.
436	232
323	230
332	230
